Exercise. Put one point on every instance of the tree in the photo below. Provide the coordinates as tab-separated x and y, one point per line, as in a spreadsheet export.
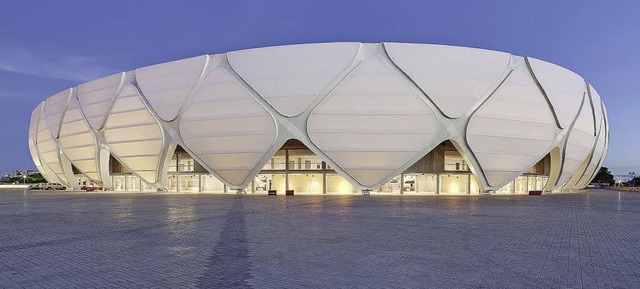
604	176
36	178
33	178
635	182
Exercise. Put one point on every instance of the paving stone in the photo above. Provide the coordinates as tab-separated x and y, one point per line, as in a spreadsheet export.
142	240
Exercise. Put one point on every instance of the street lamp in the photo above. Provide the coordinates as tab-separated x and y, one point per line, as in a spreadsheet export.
24	177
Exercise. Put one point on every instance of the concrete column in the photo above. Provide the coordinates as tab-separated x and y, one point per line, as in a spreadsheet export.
324	181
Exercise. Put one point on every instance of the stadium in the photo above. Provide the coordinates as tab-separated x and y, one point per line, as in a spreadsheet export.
328	118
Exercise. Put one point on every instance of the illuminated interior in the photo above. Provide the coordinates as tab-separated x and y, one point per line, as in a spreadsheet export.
295	167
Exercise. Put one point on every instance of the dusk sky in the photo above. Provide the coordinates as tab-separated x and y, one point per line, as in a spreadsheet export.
48	46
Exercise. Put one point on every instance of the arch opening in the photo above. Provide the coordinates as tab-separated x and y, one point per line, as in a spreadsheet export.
183	175
122	179
186	175
444	170
83	181
296	168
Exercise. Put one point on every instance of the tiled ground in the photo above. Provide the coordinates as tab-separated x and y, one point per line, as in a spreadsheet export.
66	239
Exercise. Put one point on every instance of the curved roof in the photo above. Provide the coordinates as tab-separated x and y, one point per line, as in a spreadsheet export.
368	110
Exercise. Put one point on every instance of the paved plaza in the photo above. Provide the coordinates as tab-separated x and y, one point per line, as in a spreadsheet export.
144	240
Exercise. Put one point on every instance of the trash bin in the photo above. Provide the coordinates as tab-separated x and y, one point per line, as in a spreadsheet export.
289	193
272	192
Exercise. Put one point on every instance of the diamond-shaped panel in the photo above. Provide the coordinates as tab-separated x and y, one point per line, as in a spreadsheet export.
133	135
598	153
291	77
455	78
33	132
77	141
597	106
167	85
579	143
49	151
564	89
54	108
227	128
372	123
604	151
96	96
512	130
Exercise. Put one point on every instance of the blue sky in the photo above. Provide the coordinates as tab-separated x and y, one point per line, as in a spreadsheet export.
48	46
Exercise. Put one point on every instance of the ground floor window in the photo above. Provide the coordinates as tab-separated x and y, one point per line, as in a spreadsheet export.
188	183
306	183
536	183
265	182
181	183
474	186
520	185
133	183
118	183
421	183
393	186
194	183
507	189
210	184
172	183
454	184
337	184
85	182
147	188
524	184
327	182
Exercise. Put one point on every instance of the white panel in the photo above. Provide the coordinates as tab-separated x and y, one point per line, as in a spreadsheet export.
33	123
579	143
455	78
606	121
563	87
370	175
291	77
598	153
33	132
48	150
607	133
598	166
591	168
606	144
129	123
222	113
595	97
96	96
167	85
36	159
54	108
513	130
366	138
77	141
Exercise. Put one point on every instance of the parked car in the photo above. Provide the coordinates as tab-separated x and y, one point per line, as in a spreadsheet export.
91	188
38	186
54	186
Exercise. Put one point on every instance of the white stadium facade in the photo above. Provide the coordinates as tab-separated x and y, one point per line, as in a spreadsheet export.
328	118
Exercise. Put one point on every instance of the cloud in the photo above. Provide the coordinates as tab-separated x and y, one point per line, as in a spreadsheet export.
15	95
75	68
